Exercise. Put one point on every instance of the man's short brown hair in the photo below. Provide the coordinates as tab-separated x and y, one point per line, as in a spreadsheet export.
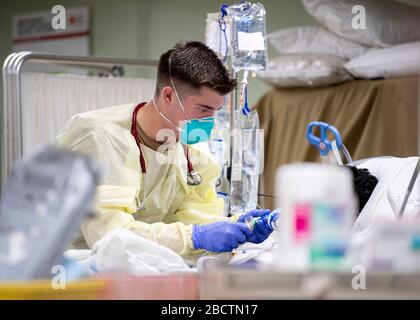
193	65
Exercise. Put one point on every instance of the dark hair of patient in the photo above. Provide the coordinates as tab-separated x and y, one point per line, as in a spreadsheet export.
364	184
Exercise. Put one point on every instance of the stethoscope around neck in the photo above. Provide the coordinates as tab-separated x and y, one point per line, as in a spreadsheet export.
193	177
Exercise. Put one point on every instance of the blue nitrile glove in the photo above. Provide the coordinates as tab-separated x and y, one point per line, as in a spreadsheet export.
261	230
221	236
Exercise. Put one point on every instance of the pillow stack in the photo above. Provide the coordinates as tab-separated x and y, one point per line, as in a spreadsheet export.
342	48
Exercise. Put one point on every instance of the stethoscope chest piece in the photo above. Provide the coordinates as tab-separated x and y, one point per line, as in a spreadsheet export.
193	178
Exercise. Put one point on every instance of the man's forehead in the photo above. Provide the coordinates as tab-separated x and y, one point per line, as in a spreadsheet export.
208	97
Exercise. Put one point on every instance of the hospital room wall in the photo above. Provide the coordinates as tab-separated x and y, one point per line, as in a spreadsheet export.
113	26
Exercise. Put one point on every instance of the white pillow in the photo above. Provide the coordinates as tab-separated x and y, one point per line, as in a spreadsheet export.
305	70
397	61
314	40
387	22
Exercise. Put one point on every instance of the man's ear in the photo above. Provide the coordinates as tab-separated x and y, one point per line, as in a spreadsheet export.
167	94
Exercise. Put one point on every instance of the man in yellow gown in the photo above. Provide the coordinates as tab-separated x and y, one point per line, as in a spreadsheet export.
159	177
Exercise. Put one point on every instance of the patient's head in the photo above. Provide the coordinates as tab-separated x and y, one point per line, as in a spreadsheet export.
364	184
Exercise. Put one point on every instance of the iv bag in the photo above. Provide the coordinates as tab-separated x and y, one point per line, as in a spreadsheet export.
218	34
246	163
249	36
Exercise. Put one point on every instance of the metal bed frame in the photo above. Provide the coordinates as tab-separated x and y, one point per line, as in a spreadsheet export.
12	109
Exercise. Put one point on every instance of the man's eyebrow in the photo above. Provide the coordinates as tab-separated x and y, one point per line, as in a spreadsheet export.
207	107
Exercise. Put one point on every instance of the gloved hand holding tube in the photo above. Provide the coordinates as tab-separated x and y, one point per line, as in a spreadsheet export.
257	221
253	226
220	236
